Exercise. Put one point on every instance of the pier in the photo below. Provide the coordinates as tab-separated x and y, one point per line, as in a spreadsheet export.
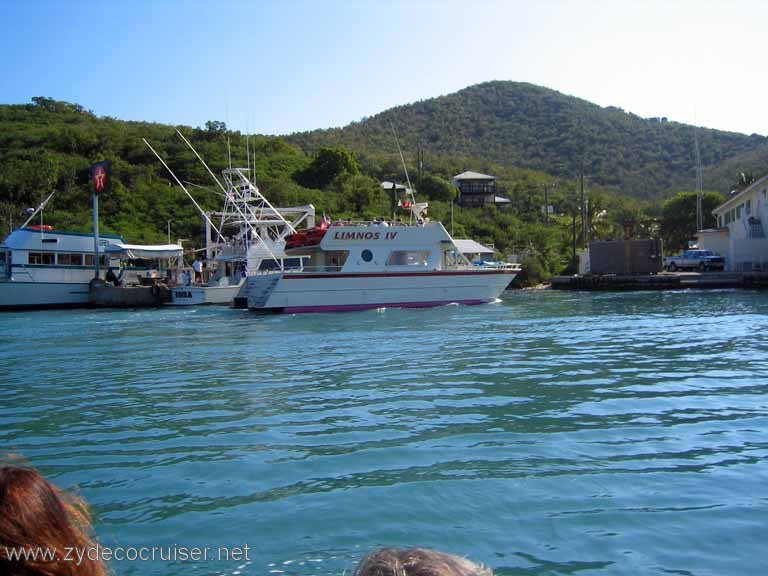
662	281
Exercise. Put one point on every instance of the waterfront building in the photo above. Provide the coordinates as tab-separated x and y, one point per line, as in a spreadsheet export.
740	233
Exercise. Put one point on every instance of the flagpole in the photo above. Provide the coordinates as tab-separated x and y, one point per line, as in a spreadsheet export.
96	233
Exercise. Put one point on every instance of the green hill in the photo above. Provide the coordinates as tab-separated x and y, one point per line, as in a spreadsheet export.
527	126
532	139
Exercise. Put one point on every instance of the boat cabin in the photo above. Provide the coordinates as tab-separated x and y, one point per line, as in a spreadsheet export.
40	254
380	247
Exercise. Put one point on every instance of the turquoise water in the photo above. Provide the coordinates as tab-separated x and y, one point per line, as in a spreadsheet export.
552	433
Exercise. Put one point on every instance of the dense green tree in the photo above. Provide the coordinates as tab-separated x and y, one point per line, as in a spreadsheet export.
330	162
435	188
355	193
678	221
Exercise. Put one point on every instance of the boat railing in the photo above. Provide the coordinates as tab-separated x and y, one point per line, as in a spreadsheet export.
297	270
362	223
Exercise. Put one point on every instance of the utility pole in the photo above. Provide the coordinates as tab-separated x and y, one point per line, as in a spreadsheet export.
573	216
699	184
582	207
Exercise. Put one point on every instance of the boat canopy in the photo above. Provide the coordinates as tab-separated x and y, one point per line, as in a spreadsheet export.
133	251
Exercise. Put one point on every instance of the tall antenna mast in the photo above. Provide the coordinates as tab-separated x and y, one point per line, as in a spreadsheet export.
699	183
402	158
248	154
405	168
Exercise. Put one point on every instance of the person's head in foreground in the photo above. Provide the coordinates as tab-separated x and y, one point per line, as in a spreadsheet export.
418	562
43	521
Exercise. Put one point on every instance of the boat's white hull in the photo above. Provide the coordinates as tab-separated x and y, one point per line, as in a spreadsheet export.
26	295
295	293
200	295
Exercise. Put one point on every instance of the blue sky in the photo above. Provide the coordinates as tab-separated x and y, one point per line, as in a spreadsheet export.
282	66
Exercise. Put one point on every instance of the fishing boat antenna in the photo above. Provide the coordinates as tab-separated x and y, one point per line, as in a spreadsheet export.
248	152
229	151
405	168
205	216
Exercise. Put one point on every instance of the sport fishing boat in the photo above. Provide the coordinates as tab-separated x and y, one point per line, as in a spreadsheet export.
365	265
44	268
245	236
250	236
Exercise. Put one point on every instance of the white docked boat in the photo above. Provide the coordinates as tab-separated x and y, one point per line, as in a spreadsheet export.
250	236
246	236
44	268
374	265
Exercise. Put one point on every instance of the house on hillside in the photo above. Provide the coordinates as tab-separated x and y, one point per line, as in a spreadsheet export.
477	189
740	233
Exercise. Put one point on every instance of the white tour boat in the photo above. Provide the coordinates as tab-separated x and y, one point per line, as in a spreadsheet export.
374	265
44	268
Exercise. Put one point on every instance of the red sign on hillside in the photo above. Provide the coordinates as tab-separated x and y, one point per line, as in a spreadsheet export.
101	176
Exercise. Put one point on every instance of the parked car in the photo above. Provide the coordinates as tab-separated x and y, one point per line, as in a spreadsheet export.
701	260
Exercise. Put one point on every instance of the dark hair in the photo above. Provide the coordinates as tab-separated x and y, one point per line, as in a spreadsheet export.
418	562
35	514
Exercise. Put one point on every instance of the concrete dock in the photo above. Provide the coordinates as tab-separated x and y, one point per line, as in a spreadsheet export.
662	281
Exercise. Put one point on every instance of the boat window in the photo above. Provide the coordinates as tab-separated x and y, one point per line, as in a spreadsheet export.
65	259
335	259
452	258
367	255
408	258
42	258
103	260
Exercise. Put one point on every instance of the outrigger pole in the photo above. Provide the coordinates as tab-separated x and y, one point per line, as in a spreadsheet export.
185	190
38	209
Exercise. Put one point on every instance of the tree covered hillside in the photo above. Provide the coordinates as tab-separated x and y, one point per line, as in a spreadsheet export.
49	145
527	126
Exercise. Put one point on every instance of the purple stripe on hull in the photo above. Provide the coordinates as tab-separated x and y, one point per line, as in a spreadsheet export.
358	307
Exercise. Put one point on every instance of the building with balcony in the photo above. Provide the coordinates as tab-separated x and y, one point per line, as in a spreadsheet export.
476	190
